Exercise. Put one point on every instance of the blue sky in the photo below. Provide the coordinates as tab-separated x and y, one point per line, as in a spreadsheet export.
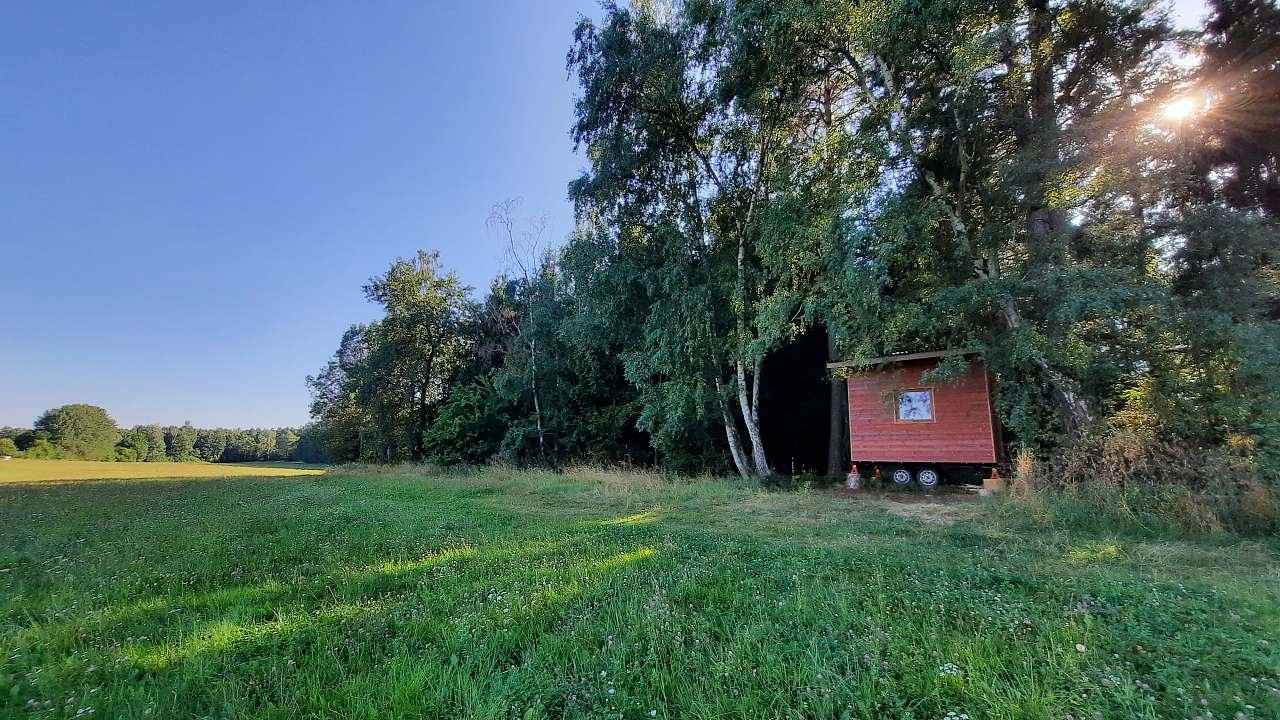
192	194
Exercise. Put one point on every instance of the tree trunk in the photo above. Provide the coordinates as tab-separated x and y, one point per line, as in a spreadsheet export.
537	403
750	418
837	419
731	434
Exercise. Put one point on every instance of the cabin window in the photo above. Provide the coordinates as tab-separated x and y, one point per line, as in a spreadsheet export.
915	405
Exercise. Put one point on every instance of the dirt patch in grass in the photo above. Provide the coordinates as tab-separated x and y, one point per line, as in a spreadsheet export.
943	507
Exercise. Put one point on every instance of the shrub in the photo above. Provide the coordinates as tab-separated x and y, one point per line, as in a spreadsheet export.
8	447
42	449
1130	480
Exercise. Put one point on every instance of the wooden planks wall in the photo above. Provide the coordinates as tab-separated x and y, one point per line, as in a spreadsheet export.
962	431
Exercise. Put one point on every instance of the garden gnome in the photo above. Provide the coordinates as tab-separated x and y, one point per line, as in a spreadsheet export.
854	481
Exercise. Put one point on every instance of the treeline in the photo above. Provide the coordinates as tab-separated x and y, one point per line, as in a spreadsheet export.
1050	182
1085	195
87	432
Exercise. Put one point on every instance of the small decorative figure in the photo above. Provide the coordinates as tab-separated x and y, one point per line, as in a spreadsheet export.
854	481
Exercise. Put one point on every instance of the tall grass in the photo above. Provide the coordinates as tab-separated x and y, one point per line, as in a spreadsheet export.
1128	481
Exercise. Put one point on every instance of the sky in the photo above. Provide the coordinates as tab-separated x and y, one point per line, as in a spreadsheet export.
193	194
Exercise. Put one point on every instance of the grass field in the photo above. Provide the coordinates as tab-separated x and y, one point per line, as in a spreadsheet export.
366	593
20	470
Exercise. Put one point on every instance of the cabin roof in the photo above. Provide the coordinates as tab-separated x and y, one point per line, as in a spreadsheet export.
901	357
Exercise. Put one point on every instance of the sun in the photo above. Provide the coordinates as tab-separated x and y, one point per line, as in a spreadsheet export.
1179	109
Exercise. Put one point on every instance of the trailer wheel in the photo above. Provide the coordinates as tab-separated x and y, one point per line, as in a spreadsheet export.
901	476
928	478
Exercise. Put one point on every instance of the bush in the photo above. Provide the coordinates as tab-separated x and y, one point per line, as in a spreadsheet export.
469	427
1127	480
42	449
8	447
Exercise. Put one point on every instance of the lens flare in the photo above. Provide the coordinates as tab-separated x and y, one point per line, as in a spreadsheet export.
1180	109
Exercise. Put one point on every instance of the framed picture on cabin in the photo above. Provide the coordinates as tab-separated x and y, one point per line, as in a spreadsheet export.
915	405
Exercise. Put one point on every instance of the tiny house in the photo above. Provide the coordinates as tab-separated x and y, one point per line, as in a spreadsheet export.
918	431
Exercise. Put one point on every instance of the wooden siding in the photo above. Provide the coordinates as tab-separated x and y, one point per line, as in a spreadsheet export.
963	427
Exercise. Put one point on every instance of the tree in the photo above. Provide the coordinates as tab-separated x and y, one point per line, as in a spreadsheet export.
681	167
210	444
136	444
390	378
563	346
1235	96
527	254
314	445
80	431
8	447
469	427
341	421
42	449
415	349
156	443
286	444
180	443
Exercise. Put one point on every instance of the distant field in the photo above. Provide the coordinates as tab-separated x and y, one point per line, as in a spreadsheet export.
21	470
374	593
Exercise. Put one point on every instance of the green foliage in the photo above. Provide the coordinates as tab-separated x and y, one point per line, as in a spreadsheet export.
180	443
210	445
135	444
469	427
80	431
314	444
388	379
1237	148
155	443
41	449
8	447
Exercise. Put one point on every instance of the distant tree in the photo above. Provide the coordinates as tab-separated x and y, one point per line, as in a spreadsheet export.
80	431
156	450
264	444
9	447
286	444
314	445
180	443
42	449
210	444
135	443
240	446
24	438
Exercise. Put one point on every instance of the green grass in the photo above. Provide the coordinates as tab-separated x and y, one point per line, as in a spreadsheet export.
367	593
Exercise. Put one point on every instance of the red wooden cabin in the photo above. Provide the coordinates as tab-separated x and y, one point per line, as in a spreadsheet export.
916	430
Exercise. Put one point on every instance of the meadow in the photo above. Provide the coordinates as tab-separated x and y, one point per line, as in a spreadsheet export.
23	470
368	593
